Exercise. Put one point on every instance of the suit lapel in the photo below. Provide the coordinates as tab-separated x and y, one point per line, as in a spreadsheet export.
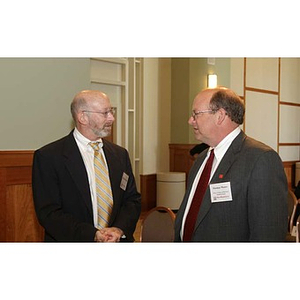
75	165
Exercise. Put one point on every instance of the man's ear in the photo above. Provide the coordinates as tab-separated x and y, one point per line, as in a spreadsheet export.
221	116
82	118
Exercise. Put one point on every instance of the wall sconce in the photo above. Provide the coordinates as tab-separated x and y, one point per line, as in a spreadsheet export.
212	81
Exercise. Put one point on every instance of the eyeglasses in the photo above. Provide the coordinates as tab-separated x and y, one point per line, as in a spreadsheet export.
200	112
111	111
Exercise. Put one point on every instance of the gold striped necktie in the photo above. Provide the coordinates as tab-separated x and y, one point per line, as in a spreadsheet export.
103	188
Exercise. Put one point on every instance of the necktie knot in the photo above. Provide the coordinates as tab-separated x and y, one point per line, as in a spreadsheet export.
211	155
95	146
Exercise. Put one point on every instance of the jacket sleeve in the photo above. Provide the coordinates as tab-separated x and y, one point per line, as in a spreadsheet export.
49	196
267	199
129	200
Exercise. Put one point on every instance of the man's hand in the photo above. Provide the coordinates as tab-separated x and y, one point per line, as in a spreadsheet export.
100	237
109	235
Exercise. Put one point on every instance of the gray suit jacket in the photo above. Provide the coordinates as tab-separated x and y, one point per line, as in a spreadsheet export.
258	211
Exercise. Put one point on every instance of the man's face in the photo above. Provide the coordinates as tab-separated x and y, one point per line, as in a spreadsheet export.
100	118
202	119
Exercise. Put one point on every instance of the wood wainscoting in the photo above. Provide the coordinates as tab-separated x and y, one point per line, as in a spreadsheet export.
290	172
18	222
180	158
148	191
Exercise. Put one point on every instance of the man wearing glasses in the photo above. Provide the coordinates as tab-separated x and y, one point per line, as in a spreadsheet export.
83	185
237	188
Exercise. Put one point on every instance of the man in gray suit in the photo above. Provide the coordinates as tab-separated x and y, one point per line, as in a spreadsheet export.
245	199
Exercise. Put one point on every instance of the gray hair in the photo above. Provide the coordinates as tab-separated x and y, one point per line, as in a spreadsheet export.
230	102
78	104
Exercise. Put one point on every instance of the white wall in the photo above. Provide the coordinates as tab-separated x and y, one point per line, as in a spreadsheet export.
150	116
272	101
237	75
156	115
35	99
164	115
35	104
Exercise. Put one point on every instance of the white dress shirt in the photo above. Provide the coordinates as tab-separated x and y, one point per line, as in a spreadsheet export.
219	152
87	153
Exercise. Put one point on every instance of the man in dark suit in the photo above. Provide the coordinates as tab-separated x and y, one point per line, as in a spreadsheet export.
64	184
198	149
246	198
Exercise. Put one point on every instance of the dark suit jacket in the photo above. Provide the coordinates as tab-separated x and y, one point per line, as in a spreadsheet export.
62	196
258	211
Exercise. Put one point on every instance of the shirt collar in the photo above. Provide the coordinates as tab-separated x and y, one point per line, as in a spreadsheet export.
223	146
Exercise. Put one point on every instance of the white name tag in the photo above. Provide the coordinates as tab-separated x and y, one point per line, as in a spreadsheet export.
294	231
124	181
220	192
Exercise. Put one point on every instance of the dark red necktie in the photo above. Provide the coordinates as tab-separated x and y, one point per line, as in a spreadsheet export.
197	199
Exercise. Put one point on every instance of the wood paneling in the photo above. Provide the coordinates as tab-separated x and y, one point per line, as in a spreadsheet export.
180	158
16	158
2	205
289	168
18	222
21	222
148	191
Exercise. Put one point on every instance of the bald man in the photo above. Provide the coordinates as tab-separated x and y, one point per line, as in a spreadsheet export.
246	195
64	182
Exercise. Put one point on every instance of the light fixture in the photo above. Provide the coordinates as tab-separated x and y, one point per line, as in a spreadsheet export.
212	80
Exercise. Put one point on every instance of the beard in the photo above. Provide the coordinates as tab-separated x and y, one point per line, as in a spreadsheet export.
102	132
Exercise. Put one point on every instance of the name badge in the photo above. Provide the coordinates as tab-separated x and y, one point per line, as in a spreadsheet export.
294	231
124	181
220	192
